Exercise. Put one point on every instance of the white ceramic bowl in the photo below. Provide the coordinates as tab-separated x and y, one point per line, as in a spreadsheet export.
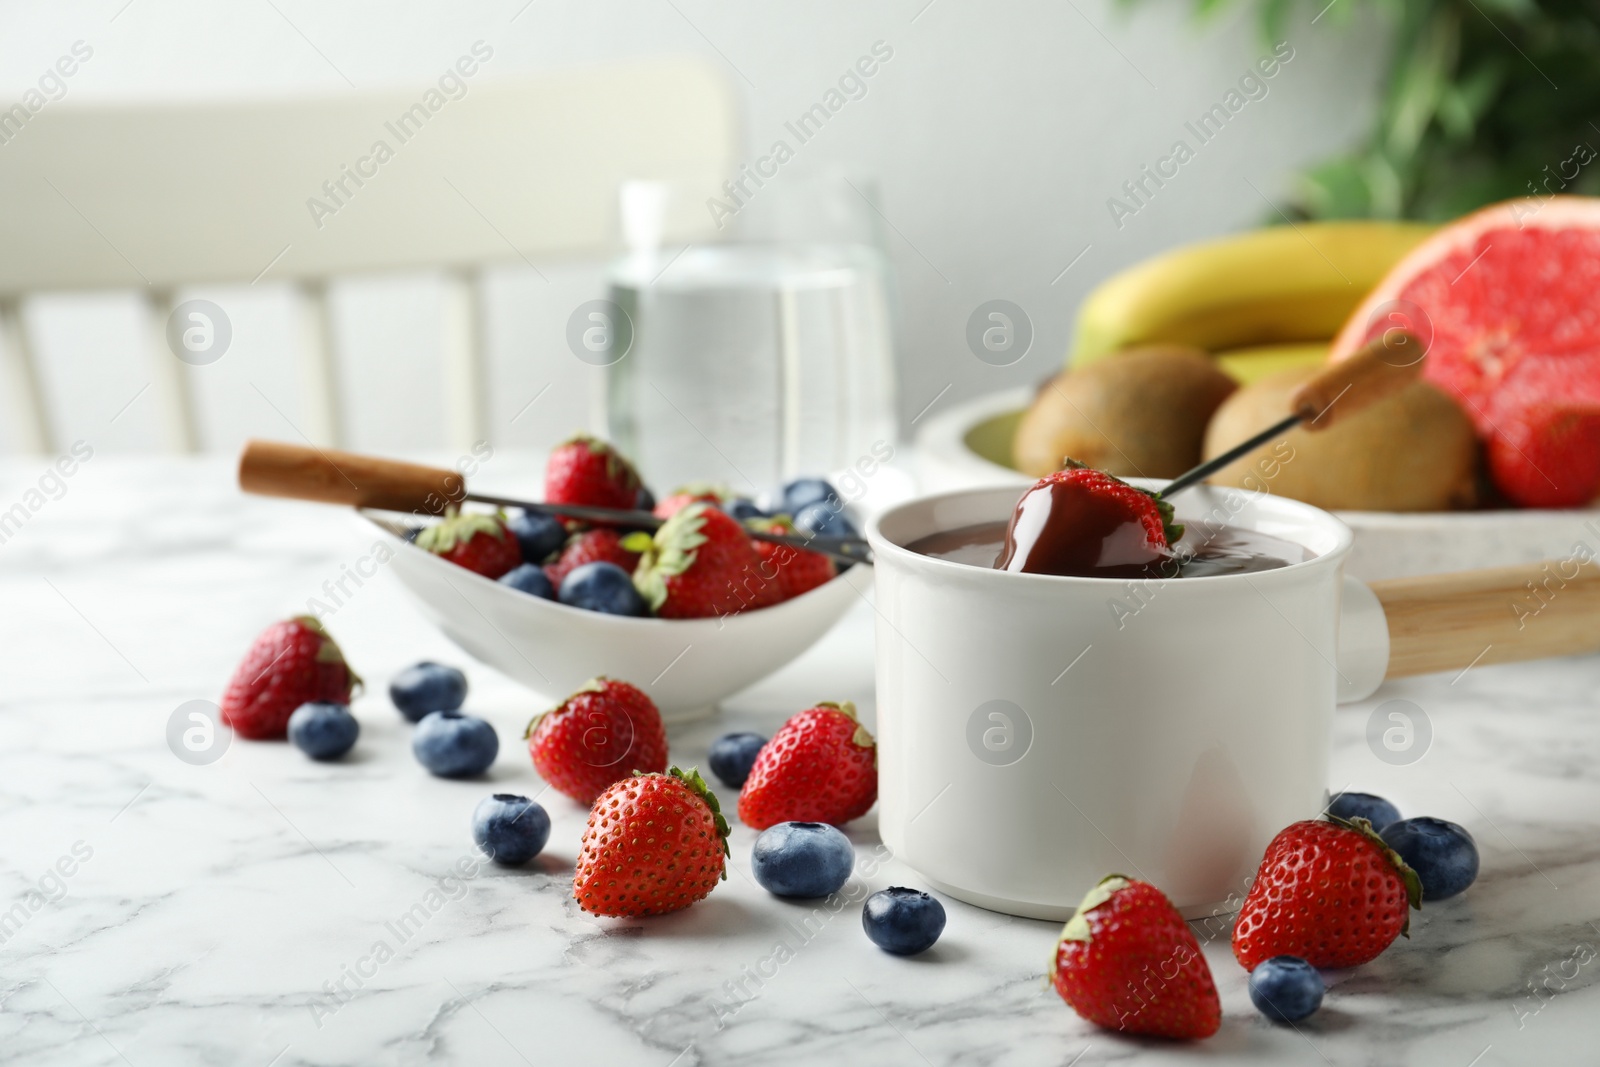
1387	544
686	665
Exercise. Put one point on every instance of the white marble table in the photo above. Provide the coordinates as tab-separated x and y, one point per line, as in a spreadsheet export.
211	909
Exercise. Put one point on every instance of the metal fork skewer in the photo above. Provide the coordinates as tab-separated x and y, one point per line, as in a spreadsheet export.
842	549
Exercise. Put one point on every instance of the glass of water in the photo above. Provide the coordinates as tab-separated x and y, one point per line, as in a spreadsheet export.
752	362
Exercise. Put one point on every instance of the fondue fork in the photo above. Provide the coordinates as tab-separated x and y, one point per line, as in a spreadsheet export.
303	472
1387	364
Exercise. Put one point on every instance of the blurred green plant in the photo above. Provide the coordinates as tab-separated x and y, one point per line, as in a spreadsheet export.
1483	100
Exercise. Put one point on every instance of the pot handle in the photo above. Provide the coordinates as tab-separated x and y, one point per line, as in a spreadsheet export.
1363	642
1449	622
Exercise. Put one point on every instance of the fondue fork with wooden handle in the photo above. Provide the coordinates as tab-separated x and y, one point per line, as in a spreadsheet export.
302	472
1384	366
1438	622
1405	626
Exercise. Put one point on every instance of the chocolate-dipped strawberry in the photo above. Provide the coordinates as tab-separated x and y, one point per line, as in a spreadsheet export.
1085	523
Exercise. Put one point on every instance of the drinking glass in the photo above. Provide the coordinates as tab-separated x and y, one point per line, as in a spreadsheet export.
754	361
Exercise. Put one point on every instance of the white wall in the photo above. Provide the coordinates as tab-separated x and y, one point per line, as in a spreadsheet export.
995	135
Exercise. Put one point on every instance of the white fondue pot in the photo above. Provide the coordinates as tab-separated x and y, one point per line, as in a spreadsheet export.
1038	732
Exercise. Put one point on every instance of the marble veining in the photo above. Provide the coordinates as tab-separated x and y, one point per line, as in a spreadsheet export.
271	911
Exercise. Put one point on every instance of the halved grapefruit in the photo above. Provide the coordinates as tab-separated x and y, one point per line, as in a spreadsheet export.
1507	303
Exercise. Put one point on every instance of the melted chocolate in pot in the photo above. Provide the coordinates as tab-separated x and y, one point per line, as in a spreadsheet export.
1206	549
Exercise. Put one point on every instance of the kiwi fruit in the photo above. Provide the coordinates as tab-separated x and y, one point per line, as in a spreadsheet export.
1139	413
1413	451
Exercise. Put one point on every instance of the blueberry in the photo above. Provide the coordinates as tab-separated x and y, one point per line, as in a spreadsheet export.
803	859
323	731
426	687
645	501
824	520
1442	853
902	921
510	829
742	509
453	745
541	536
530	578
1376	810
602	587
732	756
802	492
1285	988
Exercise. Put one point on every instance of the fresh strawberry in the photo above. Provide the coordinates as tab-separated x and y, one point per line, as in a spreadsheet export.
1084	522
685	495
587	470
821	766
290	663
654	843
1138	505
600	545
761	586
796	570
1330	892
696	565
480	543
1127	961
604	732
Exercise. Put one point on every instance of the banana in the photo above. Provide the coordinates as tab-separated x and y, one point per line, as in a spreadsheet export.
1247	365
1279	285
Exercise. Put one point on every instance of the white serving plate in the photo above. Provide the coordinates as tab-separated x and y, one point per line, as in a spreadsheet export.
686	665
1387	544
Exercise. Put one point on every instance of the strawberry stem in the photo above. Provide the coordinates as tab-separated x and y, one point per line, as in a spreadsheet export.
671	551
597	684
330	652
862	738
1407	875
1077	928
698	786
618	466
1172	530
455	530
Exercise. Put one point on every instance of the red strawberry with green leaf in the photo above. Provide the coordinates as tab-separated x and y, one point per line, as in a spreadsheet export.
1085	522
1142	505
821	766
1127	961
599	545
587	470
604	732
797	570
1329	892
480	543
290	663
654	843
685	495
699	564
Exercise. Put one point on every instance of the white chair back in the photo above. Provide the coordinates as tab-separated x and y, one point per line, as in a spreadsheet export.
457	174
